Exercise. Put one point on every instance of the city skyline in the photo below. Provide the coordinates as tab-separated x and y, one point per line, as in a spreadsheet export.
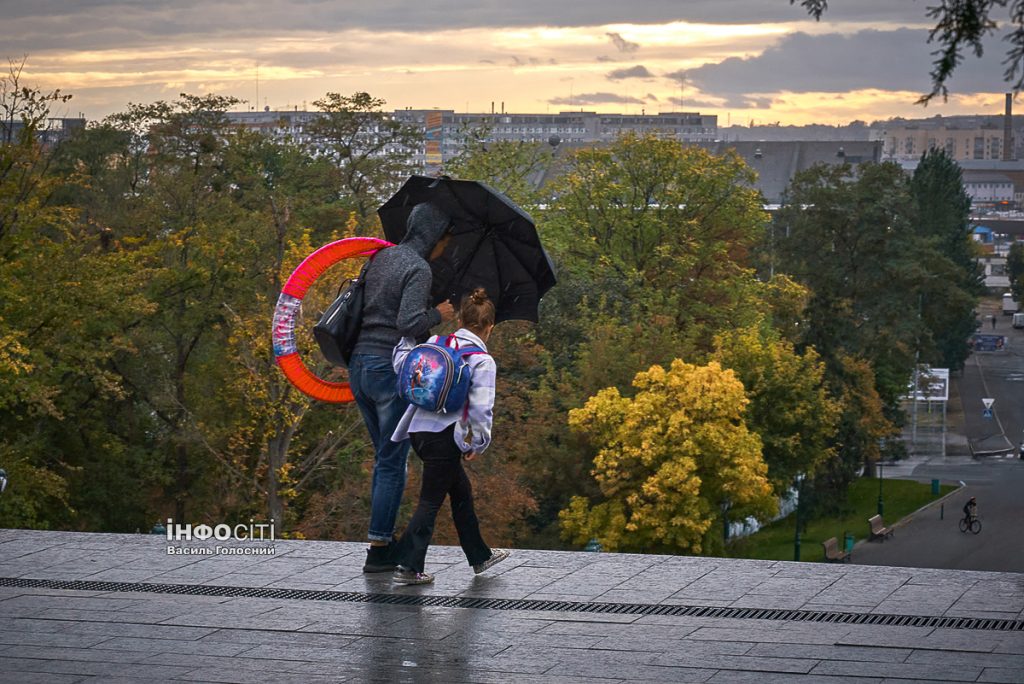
761	61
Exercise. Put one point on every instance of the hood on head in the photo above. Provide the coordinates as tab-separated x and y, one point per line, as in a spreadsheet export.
426	225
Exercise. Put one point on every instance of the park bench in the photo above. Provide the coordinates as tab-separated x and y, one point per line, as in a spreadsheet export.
833	553
878	528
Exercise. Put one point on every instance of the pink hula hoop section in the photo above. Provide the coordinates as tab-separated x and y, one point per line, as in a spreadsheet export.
289	303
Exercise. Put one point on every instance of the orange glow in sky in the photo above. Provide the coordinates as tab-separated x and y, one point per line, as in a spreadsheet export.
675	65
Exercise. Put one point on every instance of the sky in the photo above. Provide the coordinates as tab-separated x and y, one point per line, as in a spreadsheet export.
747	61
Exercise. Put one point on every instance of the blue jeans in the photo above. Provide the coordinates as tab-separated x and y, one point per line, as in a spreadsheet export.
373	383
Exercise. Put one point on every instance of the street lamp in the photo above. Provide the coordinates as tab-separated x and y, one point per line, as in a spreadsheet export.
881	447
796	538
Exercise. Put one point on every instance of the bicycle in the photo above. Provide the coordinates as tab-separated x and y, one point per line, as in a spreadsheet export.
971	523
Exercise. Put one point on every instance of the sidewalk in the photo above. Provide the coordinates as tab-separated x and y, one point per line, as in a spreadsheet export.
118	608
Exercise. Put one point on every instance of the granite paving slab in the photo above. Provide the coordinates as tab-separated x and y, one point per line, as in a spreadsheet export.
78	607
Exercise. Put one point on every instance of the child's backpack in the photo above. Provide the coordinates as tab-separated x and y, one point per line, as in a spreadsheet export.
435	376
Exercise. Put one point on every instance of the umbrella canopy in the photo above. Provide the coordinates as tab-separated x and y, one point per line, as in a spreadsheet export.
494	245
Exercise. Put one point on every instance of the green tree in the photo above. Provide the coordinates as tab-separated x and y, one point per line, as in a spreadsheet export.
670	460
1015	270
65	303
949	297
370	150
851	242
514	167
194	244
650	228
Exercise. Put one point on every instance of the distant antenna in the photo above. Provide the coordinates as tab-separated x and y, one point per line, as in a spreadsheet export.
257	84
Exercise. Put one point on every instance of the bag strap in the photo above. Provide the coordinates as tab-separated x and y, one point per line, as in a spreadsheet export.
361	276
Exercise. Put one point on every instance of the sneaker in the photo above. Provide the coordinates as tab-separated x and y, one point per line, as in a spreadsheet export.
378	559
497	555
405	576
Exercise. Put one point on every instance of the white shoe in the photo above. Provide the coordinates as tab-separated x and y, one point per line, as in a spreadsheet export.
497	555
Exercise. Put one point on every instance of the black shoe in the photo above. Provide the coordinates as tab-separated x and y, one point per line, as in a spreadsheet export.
378	559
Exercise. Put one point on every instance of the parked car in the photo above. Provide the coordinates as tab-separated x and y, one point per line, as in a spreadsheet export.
1018	320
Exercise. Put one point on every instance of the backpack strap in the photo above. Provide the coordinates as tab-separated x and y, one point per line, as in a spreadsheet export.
465	409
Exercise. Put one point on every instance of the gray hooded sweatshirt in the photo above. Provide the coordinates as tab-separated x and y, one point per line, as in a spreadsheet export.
397	295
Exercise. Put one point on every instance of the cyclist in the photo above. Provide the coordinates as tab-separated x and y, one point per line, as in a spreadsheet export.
970	510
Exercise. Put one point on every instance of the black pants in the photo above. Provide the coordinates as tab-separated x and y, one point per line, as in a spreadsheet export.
443	476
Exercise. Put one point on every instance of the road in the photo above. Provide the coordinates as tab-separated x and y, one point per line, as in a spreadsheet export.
931	538
999	375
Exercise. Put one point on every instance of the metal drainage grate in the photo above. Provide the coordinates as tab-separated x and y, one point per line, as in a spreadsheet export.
528	604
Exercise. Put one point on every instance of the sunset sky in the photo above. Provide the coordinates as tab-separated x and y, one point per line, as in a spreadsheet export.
760	60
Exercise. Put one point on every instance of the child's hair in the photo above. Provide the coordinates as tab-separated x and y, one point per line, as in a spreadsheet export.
477	311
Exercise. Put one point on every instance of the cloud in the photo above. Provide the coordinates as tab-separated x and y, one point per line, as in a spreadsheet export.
638	71
621	44
605	58
595	99
33	25
743	102
897	60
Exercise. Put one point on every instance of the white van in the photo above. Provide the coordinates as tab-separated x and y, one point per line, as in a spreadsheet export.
1009	305
1018	320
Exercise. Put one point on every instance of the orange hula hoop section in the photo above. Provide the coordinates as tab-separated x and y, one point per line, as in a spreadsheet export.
289	304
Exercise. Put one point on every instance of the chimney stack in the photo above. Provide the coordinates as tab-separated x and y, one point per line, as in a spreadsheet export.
1008	129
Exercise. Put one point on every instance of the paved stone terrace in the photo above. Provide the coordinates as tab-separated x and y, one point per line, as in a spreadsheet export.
52	635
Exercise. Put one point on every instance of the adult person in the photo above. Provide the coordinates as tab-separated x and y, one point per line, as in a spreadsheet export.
396	305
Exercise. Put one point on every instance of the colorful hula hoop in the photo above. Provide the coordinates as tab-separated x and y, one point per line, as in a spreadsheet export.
286	351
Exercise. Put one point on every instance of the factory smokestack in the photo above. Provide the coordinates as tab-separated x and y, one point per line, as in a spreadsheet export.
1008	129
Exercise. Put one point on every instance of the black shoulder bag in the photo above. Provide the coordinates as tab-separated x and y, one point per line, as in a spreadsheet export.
338	329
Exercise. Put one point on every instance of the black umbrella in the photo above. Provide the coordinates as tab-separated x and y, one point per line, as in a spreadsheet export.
494	245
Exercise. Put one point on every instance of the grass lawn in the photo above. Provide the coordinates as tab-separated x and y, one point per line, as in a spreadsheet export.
775	541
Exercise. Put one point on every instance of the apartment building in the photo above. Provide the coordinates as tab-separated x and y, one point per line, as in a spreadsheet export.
910	142
445	131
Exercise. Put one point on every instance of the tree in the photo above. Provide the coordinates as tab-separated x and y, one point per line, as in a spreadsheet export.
863	429
194	243
651	228
1015	270
65	303
789	405
949	297
370	150
851	241
514	167
670	461
962	25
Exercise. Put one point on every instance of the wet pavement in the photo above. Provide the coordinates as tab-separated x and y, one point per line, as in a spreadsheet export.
80	607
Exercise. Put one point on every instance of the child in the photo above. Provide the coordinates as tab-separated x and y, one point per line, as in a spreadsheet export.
442	441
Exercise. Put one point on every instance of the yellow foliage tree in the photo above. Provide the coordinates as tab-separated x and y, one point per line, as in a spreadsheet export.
790	407
669	461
